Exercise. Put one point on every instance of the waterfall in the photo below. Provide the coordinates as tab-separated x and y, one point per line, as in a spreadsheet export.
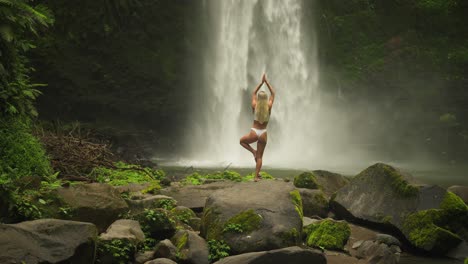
245	38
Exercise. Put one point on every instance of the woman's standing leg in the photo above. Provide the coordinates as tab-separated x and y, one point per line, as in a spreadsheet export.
248	139
261	144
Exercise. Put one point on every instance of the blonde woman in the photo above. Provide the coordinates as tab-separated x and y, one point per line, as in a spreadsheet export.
261	107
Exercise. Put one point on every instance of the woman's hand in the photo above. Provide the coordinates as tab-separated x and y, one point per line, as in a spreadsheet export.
264	78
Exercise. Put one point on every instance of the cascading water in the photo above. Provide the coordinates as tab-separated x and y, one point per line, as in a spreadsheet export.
245	39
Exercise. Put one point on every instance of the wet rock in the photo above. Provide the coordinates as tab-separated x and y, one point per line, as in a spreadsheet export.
165	249
149	202
290	255
143	257
384	196
48	241
314	202
124	229
161	261
194	196
254	216
192	248
461	191
96	203
387	239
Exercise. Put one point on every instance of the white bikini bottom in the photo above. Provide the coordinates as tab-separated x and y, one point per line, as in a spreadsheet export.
259	132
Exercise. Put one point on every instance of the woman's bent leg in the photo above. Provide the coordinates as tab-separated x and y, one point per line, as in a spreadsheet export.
248	139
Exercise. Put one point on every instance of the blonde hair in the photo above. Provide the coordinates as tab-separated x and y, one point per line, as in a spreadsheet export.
262	114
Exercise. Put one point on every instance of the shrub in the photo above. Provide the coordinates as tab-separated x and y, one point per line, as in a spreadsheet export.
218	249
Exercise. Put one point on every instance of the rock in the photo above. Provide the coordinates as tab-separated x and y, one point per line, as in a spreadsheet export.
289	255
165	249
195	223
124	229
461	191
194	196
183	214
460	252
387	239
357	244
97	203
48	241
328	234
307	221
143	257
341	258
254	216
306	180
330	182
151	202
314	202
383	195
161	261
358	234
191	247
377	253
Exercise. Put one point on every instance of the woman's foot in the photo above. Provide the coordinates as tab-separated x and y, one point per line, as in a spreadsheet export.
257	178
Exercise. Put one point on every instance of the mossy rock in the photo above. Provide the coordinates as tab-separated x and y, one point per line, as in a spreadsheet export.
267	216
430	218
306	180
183	214
157	222
436	229
328	234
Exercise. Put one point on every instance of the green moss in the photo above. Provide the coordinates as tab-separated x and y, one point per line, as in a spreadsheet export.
182	241
247	221
183	214
453	203
328	234
292	237
425	233
306	180
198	179
466	261
124	174
264	175
118	250
297	201
399	184
211	225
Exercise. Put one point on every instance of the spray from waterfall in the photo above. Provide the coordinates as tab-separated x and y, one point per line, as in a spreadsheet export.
245	39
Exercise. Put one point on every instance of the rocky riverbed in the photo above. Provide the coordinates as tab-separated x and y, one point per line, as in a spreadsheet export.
380	215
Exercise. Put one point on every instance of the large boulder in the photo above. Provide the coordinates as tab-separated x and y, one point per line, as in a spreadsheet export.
290	255
48	241
461	191
97	203
151	202
124	229
192	249
314	202
254	216
194	196
428	216
330	182
165	249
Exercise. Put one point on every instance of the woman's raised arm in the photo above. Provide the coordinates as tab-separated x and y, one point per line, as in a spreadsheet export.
272	91
254	94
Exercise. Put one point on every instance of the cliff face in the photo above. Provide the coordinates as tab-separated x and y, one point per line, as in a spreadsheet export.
117	64
403	65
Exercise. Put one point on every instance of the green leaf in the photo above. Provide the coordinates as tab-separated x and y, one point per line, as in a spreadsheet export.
41	201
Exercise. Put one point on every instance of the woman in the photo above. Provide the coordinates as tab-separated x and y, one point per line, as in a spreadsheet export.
261	107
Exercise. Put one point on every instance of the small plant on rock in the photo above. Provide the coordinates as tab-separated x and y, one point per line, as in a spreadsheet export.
218	249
